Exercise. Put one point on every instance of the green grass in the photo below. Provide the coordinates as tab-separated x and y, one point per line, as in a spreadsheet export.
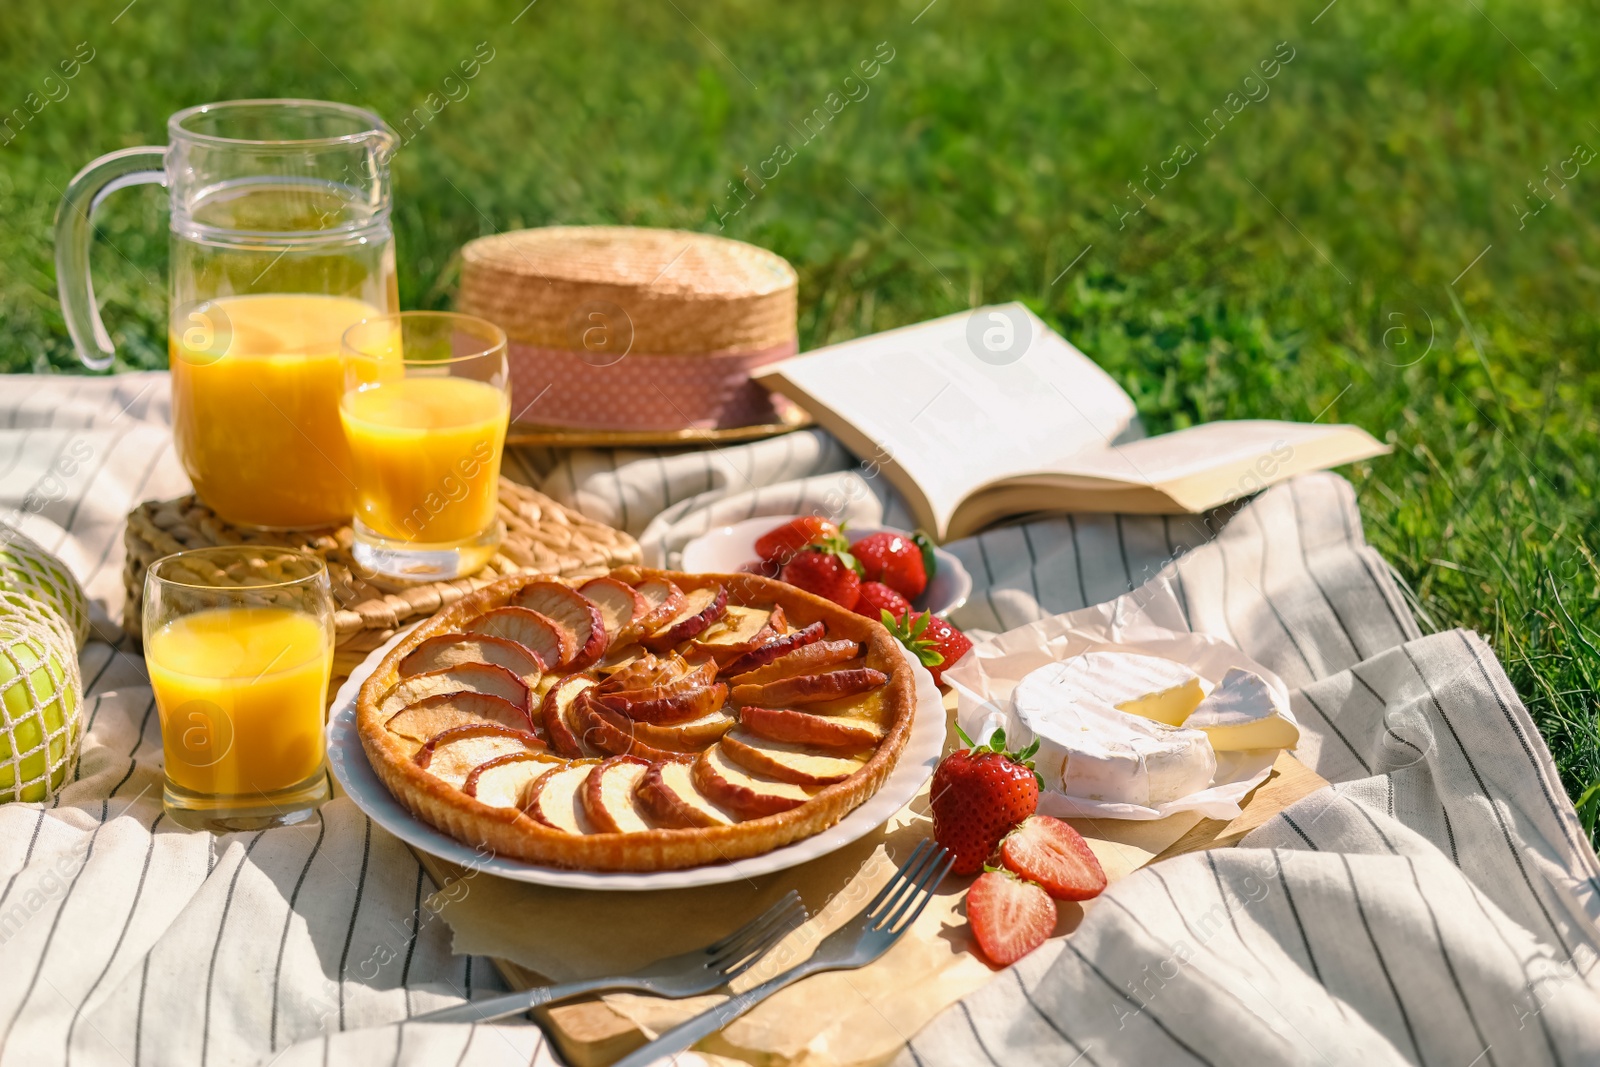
1311	259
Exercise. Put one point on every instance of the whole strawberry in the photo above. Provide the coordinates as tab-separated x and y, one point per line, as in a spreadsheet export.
876	598
935	643
979	793
830	575
901	562
782	543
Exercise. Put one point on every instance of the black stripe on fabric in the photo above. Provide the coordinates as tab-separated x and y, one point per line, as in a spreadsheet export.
988	583
399	1042
466	979
1444	811
1227	906
1296	828
1267	599
355	910
1122	550
622	495
912	1051
1383	595
138	1018
472	1032
1033	571
1449	965
55	920
1221	543
127	924
1516	958
27	856
1077	561
1556	810
1205	940
1383	965
1305	564
1299	924
1336	731
113	542
1144	1012
1081	1050
411	944
1499	817
88	484
973	1026
216	945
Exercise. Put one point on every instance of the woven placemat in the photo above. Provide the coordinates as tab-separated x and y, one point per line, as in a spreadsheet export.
542	536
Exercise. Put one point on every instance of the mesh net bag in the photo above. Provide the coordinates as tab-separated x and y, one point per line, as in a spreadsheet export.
41	698
28	569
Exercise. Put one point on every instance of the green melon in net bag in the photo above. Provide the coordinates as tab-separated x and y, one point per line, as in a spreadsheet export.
28	569
40	701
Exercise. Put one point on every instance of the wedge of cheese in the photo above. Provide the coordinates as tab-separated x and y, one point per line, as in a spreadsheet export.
1156	688
1243	712
1090	748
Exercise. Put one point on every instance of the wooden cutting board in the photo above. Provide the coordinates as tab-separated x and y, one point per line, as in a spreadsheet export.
590	1033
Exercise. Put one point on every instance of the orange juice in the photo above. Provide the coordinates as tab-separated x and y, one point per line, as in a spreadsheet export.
240	692
255	406
426	454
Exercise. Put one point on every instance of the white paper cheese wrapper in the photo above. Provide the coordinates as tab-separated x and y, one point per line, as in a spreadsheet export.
1148	622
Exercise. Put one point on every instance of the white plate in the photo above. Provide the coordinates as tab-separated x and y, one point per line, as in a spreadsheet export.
724	549
356	776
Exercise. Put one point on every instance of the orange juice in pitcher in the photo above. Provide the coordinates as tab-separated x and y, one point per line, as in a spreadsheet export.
280	241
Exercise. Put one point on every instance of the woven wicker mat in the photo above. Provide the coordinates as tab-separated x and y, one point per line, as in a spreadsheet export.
541	536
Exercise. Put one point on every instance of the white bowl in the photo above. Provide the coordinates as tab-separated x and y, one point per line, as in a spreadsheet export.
725	549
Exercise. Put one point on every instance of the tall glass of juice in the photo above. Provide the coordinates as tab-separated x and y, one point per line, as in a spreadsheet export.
239	641
280	239
426	402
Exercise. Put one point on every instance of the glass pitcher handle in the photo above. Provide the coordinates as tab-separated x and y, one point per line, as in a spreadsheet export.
75	234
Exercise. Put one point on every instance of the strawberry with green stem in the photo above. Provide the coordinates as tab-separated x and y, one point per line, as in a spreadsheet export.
936	644
979	794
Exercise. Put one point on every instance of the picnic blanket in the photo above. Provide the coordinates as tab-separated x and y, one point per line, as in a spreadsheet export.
1437	905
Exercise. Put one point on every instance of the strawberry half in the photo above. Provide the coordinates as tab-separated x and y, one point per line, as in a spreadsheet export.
1009	917
979	793
875	598
782	543
903	562
1050	852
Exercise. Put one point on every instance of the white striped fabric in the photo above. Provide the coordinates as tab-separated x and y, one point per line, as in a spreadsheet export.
1438	906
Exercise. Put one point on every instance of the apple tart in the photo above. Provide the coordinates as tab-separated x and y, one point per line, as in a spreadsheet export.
644	720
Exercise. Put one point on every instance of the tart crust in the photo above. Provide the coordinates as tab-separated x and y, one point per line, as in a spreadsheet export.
509	832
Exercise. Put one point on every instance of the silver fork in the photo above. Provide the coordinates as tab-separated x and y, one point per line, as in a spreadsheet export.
857	943
686	975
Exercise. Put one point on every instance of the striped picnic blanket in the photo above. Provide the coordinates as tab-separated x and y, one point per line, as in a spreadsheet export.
1438	905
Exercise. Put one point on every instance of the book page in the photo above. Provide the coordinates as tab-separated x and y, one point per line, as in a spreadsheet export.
961	401
1268	447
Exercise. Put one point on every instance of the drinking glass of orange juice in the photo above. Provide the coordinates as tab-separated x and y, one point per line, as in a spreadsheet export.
239	641
426	402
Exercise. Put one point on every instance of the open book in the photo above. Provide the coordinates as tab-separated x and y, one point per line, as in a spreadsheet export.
989	414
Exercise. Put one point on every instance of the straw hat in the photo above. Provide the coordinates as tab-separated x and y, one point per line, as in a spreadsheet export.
629	328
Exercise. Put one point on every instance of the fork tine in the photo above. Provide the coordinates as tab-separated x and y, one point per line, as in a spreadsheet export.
922	893
780	905
774	916
767	944
904	882
883	893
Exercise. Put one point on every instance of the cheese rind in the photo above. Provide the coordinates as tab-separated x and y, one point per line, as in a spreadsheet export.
1244	712
1150	686
1090	749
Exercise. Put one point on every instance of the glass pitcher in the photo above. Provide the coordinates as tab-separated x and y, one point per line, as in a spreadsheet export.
280	240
